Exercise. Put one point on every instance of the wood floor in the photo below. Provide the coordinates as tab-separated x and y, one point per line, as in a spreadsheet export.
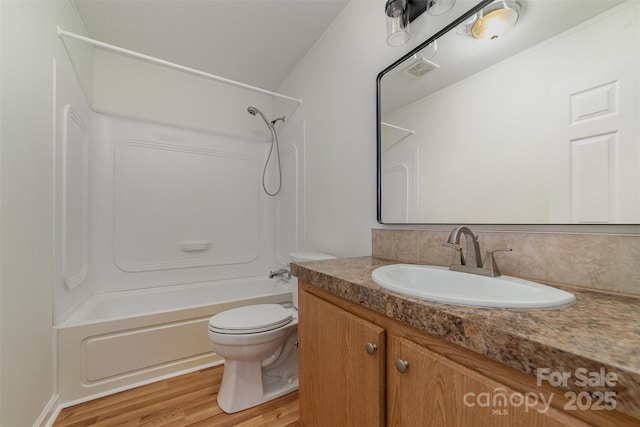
187	400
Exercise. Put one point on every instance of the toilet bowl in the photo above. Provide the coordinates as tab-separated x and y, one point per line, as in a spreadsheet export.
259	344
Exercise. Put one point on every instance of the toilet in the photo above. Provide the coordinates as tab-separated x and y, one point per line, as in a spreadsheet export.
259	344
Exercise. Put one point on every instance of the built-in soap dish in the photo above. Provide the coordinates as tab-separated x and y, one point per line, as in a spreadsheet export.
194	246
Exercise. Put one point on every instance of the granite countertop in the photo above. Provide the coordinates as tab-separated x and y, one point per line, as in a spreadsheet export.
600	331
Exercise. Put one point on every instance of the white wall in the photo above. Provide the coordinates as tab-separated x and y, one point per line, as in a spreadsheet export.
29	44
337	81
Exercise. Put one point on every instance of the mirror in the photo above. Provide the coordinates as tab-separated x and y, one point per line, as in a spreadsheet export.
539	126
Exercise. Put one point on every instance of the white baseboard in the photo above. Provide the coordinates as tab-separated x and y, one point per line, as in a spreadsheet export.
49	413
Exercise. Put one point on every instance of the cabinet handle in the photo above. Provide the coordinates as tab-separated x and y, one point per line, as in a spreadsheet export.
402	365
370	347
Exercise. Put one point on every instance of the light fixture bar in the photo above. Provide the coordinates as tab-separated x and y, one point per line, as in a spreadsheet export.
173	65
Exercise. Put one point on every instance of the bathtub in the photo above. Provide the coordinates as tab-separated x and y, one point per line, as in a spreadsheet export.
120	340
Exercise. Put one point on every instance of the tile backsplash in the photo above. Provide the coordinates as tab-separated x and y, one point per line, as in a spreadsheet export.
606	262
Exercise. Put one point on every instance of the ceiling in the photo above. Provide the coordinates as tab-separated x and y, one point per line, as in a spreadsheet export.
257	42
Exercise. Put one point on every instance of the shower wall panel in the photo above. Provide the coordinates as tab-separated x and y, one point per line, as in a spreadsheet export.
180	205
170	206
71	200
290	206
75	157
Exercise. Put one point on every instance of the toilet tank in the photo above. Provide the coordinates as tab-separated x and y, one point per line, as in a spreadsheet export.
302	257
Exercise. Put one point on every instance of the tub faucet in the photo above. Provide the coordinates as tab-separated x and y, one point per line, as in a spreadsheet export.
283	273
473	263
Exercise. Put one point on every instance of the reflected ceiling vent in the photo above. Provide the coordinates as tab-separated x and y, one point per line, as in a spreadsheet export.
420	67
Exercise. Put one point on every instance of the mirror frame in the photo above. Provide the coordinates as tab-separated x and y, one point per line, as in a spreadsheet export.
633	229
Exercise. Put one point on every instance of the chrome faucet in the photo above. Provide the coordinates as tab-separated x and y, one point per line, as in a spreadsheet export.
283	273
473	263
473	247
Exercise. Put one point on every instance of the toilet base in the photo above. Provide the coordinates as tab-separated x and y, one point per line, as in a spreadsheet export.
247	384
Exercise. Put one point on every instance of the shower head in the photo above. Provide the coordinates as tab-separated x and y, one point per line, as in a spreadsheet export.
253	111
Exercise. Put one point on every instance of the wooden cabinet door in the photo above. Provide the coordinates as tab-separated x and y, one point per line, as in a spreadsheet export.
435	391
341	384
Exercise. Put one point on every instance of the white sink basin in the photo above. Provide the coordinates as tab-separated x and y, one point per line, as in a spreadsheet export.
442	285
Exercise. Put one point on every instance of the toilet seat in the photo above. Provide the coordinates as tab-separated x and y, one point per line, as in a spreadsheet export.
250	319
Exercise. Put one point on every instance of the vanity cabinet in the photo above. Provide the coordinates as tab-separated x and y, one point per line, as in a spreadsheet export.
341	378
351	360
437	391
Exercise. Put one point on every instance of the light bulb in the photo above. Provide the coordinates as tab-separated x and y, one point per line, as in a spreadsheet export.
494	24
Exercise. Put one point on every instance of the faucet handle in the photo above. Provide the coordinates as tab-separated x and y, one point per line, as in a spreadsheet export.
489	262
458	258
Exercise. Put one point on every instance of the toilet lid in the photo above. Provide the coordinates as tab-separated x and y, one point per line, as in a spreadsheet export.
250	319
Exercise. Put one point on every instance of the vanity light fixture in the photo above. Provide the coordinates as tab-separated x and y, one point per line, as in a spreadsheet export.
402	12
492	22
397	22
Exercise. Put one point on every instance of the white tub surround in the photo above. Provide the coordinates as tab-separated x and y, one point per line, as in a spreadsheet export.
159	214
